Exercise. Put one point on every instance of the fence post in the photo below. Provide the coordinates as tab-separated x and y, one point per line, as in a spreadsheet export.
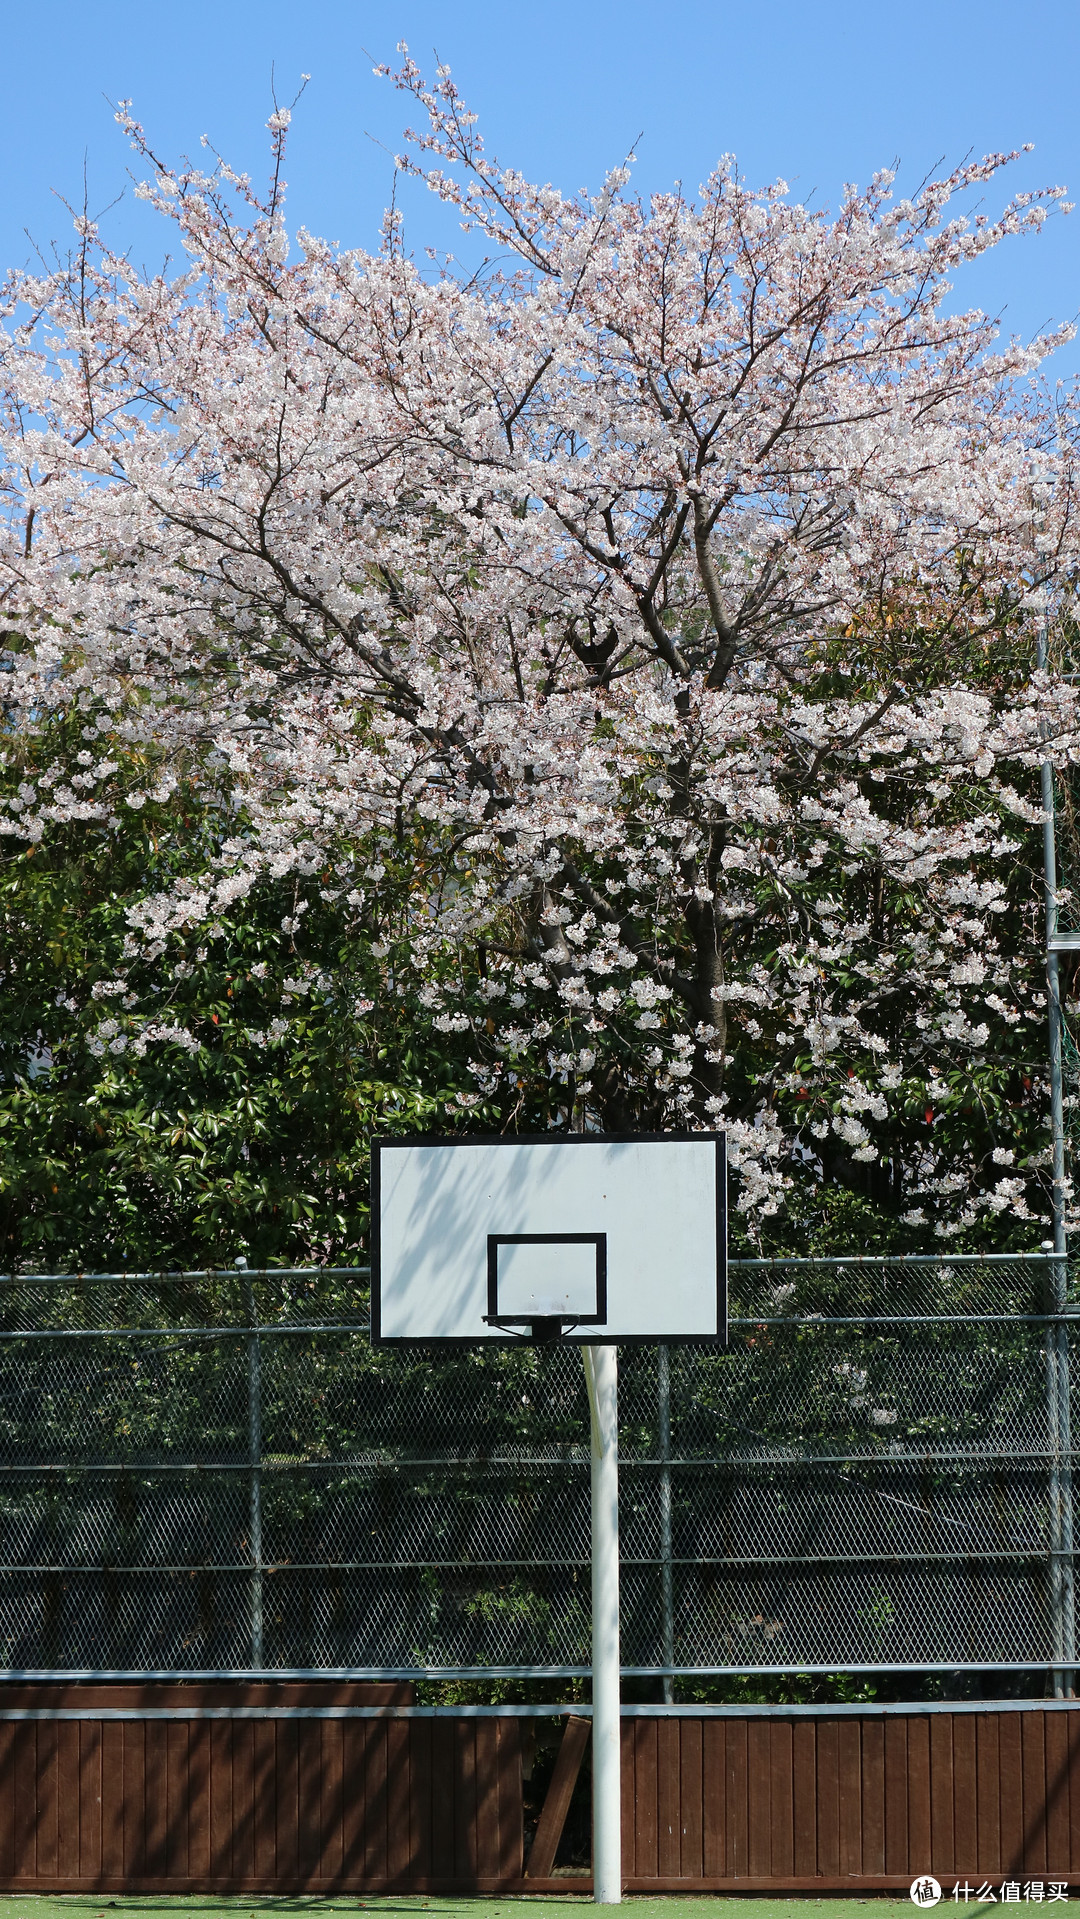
667	1608
254	1376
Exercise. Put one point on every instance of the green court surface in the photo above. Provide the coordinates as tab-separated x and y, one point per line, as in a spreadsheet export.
78	1905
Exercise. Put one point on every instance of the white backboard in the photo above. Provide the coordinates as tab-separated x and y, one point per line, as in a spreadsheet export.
608	1239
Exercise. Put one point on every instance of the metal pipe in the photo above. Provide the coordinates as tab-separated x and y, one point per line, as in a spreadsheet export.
667	1607
1059	1411
601	1373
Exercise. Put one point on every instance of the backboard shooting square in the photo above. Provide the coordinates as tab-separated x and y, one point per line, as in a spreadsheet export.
592	1238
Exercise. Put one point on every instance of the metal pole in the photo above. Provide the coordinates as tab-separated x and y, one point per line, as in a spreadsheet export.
1057	1346
255	1545
602	1378
667	1607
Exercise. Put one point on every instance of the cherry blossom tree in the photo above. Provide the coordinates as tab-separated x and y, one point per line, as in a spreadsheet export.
655	601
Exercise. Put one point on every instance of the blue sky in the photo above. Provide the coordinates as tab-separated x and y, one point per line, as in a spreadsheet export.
820	94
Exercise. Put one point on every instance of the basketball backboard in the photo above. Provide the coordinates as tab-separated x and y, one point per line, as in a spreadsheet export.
591	1238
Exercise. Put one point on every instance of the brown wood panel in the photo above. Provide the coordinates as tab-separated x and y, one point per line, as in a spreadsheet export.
849	1775
264	1774
353	1809
442	1801
691	1853
897	1843
309	1809
199	1798
1056	1734
156	1808
758	1799
177	1799
68	1799
465	1801
1033	1726
714	1791
287	1800
47	1835
7	1799
965	1793
918	1796
221	1799
873	1796
511	1810
1073	1721
89	1799
669	1791
628	1789
827	1805
645	1804
374	1771
420	1772
781	1799
25	1768
487	1796
1011	1791
132	1807
398	1789
736	1772
942	1854
804	1788
333	1788
988	1792
243	1798
114	1743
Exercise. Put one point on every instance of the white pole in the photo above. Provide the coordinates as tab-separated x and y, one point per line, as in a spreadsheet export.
602	1377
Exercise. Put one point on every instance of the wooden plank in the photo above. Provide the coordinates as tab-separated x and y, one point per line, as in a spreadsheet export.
1073	1721
156	1812
375	1797
199	1799
264	1765
827	1753
691	1860
1011	1790
804	1796
873	1796
243	1798
714	1795
511	1800
89	1798
398	1789
176	1799
849	1777
115	1739
68	1799
897	1843
918	1787
443	1751
965	1794
668	1800
25	1768
758	1799
465	1802
736	1771
47	1821
287	1801
487	1797
628	1791
645	1808
7	1799
308	1760
333	1778
1056	1734
221	1820
988	1792
352	1820
781	1798
1032	1835
132	1810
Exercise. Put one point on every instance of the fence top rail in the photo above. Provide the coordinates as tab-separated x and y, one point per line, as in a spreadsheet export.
871	1709
137	1276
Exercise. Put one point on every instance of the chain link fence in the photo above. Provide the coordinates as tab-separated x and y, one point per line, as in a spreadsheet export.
215	1473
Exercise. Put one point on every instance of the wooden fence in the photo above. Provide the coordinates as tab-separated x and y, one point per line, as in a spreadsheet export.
321	1788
